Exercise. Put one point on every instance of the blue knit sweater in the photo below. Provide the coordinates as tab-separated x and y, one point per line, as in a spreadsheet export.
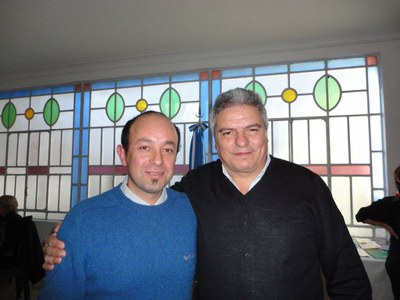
118	249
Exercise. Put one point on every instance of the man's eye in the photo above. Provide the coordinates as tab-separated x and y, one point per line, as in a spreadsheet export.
226	133
145	148
169	150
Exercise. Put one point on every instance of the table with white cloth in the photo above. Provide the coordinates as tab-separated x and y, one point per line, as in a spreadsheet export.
380	282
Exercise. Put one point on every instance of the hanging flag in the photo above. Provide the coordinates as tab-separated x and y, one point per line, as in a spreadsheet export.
196	154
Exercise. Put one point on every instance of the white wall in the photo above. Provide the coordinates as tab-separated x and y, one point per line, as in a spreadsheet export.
387	47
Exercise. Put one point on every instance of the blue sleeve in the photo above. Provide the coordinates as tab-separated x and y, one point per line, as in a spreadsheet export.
67	280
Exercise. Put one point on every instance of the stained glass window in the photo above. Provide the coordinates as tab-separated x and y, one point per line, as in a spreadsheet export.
58	143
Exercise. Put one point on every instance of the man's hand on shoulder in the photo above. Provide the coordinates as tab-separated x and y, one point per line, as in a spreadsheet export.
53	250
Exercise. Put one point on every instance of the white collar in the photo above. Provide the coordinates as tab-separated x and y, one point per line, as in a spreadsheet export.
135	198
256	179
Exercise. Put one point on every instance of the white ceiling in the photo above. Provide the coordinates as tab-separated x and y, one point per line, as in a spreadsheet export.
43	34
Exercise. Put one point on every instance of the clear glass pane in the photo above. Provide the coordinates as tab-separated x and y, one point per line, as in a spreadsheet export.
189	91
31	192
351	103
94	146
53	196
338	139
305	82
276	108
376	133
20	191
188	112
359	146
152	93
65	120
22	149
3	149
378	194
280	139
41	200
55	151
99	98
304	106
300	142
66	149
12	154
2	179
107	148
361	188
98	118
118	180
38	123
44	149
33	149
65	196
93	185
21	124
374	90
350	79
341	193
318	142
107	183
66	101
378	178
274	84
181	154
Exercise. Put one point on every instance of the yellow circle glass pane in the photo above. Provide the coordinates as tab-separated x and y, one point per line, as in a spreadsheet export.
141	105
289	95
29	113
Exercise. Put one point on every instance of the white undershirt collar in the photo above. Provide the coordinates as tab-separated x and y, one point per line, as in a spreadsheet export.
256	179
135	198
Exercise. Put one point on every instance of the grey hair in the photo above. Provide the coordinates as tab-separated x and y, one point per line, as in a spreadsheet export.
238	96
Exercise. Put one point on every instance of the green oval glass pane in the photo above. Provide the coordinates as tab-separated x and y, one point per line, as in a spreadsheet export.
258	88
51	111
8	115
115	107
327	92
170	103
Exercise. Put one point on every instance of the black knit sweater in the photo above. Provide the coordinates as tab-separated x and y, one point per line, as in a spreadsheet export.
273	242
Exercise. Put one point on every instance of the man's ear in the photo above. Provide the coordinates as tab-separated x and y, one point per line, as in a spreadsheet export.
121	154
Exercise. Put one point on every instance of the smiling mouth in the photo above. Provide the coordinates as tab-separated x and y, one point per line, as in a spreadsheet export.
155	174
242	154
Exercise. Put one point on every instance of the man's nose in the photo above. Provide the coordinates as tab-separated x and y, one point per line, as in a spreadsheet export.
241	139
157	157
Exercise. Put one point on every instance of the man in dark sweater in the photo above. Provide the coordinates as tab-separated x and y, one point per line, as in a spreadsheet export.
267	228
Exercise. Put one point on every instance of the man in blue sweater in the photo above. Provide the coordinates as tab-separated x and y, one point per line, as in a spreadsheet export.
267	228
138	240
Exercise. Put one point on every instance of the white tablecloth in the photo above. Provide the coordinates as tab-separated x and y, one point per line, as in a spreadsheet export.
381	288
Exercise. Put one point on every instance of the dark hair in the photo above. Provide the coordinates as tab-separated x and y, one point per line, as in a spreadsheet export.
397	178
8	203
128	125
238	96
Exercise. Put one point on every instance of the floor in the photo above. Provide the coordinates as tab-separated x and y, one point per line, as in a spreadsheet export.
7	290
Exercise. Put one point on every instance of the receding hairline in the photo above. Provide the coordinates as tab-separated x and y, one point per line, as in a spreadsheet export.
149	139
